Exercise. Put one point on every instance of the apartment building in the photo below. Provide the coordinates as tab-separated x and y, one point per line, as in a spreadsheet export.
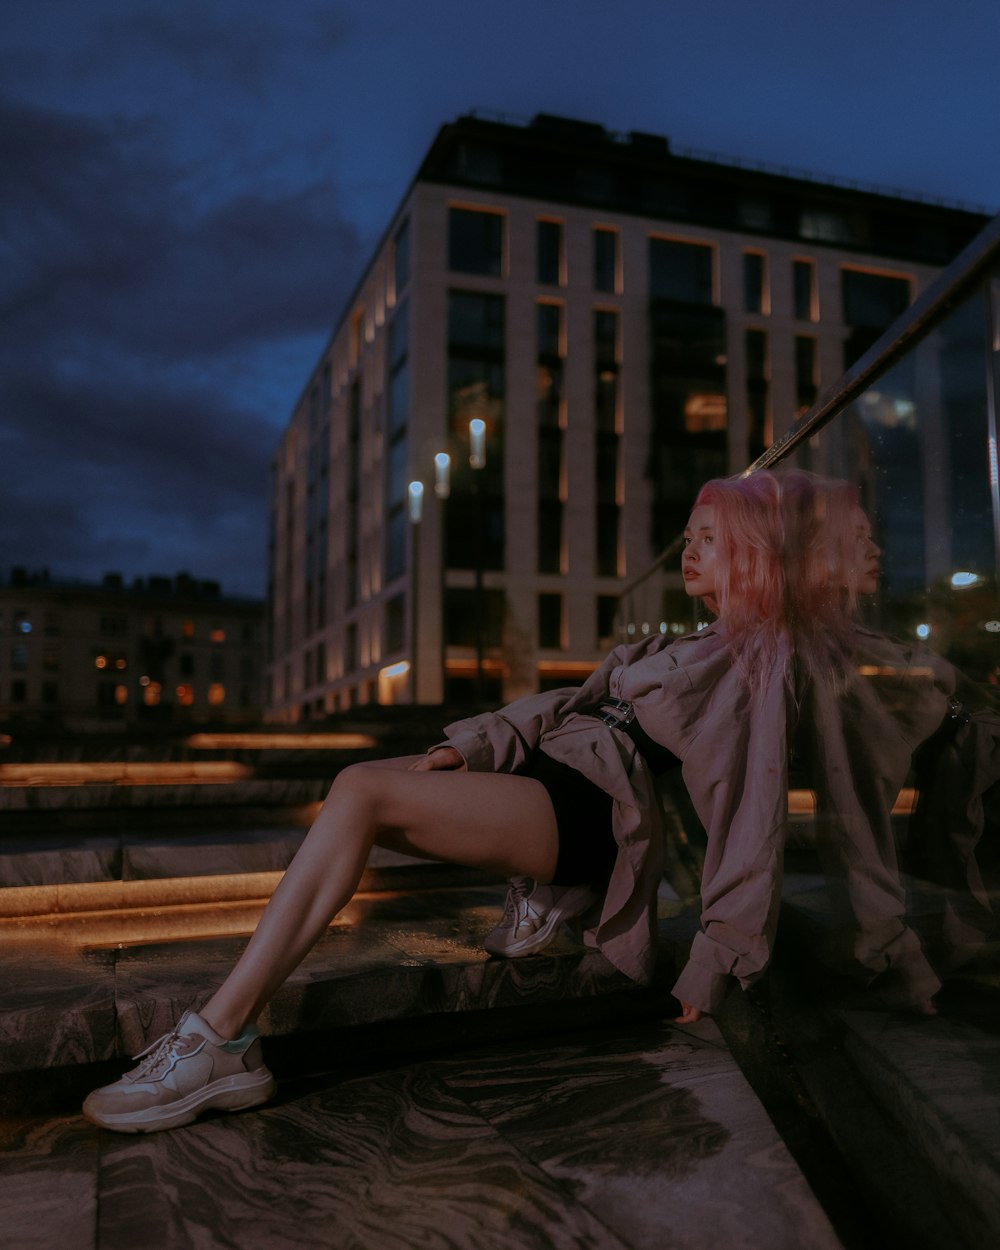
562	333
159	649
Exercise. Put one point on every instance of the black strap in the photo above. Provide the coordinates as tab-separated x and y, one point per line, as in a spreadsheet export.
620	714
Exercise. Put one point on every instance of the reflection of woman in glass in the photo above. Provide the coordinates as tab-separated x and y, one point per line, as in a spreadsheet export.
558	787
866	703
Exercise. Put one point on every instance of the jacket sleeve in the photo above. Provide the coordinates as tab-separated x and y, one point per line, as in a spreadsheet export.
501	742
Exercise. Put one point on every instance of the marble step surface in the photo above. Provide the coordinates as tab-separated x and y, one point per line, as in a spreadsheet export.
85	987
634	1136
913	1101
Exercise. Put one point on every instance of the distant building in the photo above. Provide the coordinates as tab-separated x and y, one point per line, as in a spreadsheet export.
625	321
160	649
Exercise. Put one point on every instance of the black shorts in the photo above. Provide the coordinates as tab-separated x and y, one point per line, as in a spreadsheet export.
587	846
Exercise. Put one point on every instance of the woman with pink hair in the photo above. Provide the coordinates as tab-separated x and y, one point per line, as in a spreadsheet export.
559	788
866	703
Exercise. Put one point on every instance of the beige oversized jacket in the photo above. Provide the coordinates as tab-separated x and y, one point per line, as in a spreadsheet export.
731	736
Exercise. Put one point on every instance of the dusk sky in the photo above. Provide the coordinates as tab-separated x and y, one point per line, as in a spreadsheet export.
189	192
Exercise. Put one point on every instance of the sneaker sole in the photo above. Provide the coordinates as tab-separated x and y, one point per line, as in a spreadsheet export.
231	1093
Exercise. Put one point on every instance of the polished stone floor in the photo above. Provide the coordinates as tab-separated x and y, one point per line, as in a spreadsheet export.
611	1139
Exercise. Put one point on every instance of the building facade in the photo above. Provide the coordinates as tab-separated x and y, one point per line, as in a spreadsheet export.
158	650
563	333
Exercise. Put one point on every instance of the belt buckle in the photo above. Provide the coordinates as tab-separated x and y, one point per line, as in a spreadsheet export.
622	706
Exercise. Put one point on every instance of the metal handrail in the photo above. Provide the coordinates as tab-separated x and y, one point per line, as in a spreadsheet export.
950	286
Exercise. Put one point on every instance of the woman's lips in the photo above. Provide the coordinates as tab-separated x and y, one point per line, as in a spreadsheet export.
690	573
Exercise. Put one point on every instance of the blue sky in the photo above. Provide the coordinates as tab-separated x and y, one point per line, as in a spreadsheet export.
191	190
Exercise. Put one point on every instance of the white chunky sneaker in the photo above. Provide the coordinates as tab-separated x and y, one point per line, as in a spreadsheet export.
533	914
182	1074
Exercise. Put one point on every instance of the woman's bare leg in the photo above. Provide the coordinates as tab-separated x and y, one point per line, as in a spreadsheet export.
498	822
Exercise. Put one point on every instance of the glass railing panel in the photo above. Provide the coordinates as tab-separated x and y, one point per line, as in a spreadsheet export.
917	443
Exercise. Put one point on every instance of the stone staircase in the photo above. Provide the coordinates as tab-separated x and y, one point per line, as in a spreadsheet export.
116	914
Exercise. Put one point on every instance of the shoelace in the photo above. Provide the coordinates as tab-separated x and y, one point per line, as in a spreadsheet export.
156	1056
520	888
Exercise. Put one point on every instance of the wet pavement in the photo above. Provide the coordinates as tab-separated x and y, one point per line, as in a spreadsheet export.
614	1138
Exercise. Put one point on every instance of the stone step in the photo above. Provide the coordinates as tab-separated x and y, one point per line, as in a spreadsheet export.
912	1102
87	987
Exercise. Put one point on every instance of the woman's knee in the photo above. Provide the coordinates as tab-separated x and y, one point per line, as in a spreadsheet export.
359	782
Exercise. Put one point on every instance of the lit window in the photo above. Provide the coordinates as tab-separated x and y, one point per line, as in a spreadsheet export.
185	695
101	661
218	634
121	694
151	692
187	629
216	694
121	663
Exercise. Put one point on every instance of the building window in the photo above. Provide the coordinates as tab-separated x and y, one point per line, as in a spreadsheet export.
607	607
460	617
682	272
606	261
186	664
19	691
216	694
351	648
549	256
755	296
475	242
872	301
806	380
397	459
218	634
395	624
550	621
474	533
824	225
19	657
185	695
607	438
551	436
187	629
804	290
758	433
50	692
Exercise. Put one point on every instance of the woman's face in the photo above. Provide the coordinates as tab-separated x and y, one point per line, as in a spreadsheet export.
866	555
700	558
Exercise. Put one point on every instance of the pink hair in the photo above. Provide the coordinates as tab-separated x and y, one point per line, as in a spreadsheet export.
820	521
749	568
820	517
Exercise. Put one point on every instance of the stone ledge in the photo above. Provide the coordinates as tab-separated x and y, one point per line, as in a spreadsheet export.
390	956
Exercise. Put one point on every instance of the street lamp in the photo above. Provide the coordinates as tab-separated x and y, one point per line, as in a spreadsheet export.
416	499
477	462
442	475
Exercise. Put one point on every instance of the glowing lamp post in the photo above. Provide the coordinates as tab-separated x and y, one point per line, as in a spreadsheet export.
477	462
415	495
442	475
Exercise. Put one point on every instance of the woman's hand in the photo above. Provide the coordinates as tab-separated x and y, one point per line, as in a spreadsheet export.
446	758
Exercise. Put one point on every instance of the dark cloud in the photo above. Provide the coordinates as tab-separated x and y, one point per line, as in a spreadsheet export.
131	309
109	238
101	476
